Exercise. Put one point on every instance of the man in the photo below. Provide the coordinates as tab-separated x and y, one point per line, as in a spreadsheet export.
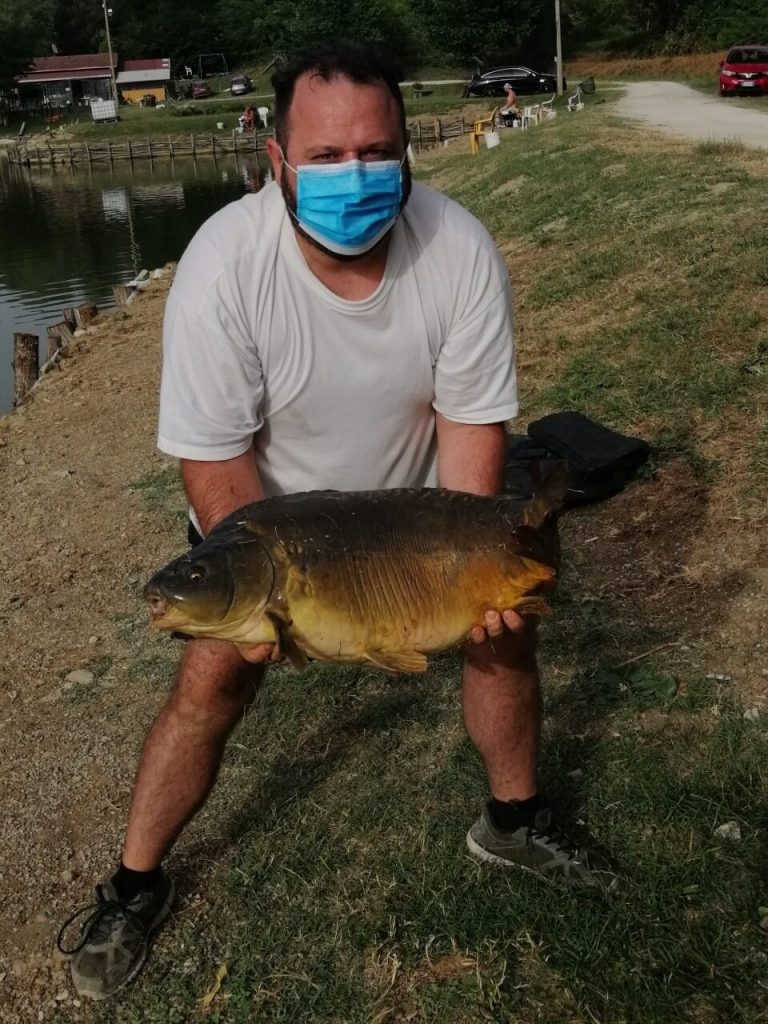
340	329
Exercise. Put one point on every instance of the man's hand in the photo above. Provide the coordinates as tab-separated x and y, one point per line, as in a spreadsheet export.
495	624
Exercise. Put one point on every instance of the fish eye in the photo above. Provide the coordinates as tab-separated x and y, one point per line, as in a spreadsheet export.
197	573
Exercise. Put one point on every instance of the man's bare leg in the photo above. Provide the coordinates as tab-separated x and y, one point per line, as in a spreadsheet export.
181	755
502	711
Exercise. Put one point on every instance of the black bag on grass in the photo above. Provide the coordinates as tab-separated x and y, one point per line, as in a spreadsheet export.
600	461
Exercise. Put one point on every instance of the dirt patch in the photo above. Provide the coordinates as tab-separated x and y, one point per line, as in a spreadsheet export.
644	67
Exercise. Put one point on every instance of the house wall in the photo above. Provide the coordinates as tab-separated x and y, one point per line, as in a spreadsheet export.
133	93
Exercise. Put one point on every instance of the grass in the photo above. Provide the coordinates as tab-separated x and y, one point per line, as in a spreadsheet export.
336	886
162	491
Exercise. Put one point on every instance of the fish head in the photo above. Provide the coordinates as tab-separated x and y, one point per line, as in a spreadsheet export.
212	590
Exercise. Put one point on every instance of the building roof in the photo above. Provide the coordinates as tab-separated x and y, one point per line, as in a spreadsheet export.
156	70
63	69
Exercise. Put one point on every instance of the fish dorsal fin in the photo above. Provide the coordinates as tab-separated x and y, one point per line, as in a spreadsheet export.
548	498
287	644
398	661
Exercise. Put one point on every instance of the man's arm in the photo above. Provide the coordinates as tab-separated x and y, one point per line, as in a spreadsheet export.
215	489
470	457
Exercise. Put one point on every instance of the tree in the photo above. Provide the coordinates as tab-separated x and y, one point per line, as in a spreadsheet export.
26	30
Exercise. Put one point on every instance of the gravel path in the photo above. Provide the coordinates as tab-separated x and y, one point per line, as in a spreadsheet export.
680	110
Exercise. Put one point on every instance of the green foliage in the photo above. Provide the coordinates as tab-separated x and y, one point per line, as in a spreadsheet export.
414	31
26	28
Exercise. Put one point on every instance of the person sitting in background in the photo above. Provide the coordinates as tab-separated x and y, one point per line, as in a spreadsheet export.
248	119
509	112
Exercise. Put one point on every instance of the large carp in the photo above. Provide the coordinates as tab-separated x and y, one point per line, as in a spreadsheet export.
384	577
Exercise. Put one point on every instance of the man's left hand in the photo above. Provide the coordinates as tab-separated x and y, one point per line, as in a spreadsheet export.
495	624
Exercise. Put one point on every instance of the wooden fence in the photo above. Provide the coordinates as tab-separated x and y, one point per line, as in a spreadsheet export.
149	148
424	134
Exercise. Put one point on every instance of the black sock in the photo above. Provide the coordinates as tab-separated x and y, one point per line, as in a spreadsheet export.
128	882
512	814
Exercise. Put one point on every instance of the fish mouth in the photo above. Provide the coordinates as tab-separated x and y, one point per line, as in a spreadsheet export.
158	606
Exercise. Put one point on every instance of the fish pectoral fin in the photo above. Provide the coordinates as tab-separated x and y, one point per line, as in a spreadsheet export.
287	644
533	606
398	661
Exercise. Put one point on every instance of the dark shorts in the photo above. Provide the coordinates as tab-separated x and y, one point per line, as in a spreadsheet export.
193	536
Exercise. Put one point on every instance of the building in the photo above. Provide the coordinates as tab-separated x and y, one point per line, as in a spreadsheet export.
139	78
66	82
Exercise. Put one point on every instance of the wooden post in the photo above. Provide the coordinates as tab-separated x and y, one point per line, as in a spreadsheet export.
213	147
170	147
192	142
109	152
26	364
130	151
438	130
85	313
70	318
418	133
149	150
59	336
88	152
121	293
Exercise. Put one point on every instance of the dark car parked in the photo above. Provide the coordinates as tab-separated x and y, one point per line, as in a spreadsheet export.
240	85
525	82
745	70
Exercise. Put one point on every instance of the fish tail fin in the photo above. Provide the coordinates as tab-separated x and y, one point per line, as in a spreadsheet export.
548	498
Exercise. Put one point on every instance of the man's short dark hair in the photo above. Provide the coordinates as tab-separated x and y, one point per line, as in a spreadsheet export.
359	62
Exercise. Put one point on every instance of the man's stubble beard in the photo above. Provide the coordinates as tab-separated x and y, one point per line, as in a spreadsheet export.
291	204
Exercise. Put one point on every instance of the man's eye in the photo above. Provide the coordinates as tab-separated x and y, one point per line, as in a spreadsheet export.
326	158
377	154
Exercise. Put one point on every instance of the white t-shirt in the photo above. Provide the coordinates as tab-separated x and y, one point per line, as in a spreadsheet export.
339	394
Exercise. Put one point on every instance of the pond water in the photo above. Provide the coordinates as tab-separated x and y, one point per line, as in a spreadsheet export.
67	236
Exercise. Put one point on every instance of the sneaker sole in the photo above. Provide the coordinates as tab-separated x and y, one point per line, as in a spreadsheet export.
134	972
606	881
491	858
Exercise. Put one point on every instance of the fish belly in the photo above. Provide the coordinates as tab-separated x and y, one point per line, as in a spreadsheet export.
369	608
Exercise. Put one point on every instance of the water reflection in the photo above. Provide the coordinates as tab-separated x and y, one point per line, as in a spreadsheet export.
69	234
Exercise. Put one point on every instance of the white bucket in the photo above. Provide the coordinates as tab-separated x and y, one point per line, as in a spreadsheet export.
220	125
492	139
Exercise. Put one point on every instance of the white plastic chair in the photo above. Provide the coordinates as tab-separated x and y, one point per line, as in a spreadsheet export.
547	107
531	115
575	102
263	113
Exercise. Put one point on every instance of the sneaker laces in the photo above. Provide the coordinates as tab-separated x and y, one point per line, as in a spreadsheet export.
104	909
545	830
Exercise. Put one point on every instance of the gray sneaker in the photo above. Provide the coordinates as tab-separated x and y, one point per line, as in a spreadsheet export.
539	848
114	941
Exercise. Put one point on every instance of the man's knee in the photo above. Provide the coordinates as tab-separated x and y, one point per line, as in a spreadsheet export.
214	679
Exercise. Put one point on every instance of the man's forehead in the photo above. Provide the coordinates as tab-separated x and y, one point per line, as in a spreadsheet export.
339	101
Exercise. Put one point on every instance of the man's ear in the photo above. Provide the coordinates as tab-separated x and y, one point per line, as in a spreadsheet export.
275	154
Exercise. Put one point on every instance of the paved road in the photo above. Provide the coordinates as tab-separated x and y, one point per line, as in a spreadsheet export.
680	110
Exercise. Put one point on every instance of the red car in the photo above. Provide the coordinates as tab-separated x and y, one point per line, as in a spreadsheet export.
745	70
201	91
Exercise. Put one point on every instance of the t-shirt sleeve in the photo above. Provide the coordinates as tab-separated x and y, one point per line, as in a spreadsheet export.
212	388
475	378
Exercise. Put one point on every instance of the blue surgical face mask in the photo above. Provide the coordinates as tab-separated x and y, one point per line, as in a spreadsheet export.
347	208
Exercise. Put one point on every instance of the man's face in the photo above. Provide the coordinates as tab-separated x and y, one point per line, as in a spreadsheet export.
335	121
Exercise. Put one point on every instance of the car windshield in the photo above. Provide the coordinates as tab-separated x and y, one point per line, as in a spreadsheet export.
748	55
